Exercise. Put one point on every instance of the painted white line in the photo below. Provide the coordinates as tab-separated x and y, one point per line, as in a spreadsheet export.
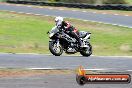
50	8
74	10
20	12
94	12
1	67
109	69
126	15
95	69
115	24
41	68
116	56
129	70
29	6
7	4
116	14
85	20
38	14
28	53
100	22
35	68
41	7
84	11
61	9
46	15
70	55
124	26
29	13
104	13
19	5
12	11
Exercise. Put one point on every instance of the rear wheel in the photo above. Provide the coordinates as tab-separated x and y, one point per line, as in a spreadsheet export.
55	49
87	51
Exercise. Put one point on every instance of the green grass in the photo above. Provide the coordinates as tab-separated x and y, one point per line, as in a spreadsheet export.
21	33
129	1
2	0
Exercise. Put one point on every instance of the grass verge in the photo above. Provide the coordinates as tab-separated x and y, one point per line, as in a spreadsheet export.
3	0
20	33
12	72
129	2
27	73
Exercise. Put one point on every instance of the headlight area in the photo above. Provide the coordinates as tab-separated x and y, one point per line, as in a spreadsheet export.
87	37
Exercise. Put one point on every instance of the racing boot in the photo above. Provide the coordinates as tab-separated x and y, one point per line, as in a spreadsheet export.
80	43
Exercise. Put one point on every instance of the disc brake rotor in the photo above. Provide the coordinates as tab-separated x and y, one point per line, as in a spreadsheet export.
56	48
87	50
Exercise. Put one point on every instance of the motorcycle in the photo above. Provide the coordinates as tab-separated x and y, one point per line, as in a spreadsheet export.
60	41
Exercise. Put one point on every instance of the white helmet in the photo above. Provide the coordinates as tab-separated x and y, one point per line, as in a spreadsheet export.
58	20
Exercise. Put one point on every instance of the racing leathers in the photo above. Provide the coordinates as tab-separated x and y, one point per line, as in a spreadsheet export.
70	30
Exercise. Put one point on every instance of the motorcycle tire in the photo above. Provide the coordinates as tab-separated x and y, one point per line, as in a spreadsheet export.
51	44
83	52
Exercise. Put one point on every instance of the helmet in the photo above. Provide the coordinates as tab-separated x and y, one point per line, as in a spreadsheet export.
58	20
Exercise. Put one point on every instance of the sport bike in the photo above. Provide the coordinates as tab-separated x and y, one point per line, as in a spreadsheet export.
60	42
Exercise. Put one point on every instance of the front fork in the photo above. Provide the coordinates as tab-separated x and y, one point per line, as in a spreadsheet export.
57	43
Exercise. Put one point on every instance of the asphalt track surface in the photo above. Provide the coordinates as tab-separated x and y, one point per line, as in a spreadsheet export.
65	62
105	18
39	61
52	81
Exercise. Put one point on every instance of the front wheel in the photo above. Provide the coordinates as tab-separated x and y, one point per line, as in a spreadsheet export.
55	49
87	51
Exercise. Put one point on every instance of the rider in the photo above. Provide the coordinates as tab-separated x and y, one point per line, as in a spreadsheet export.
67	28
